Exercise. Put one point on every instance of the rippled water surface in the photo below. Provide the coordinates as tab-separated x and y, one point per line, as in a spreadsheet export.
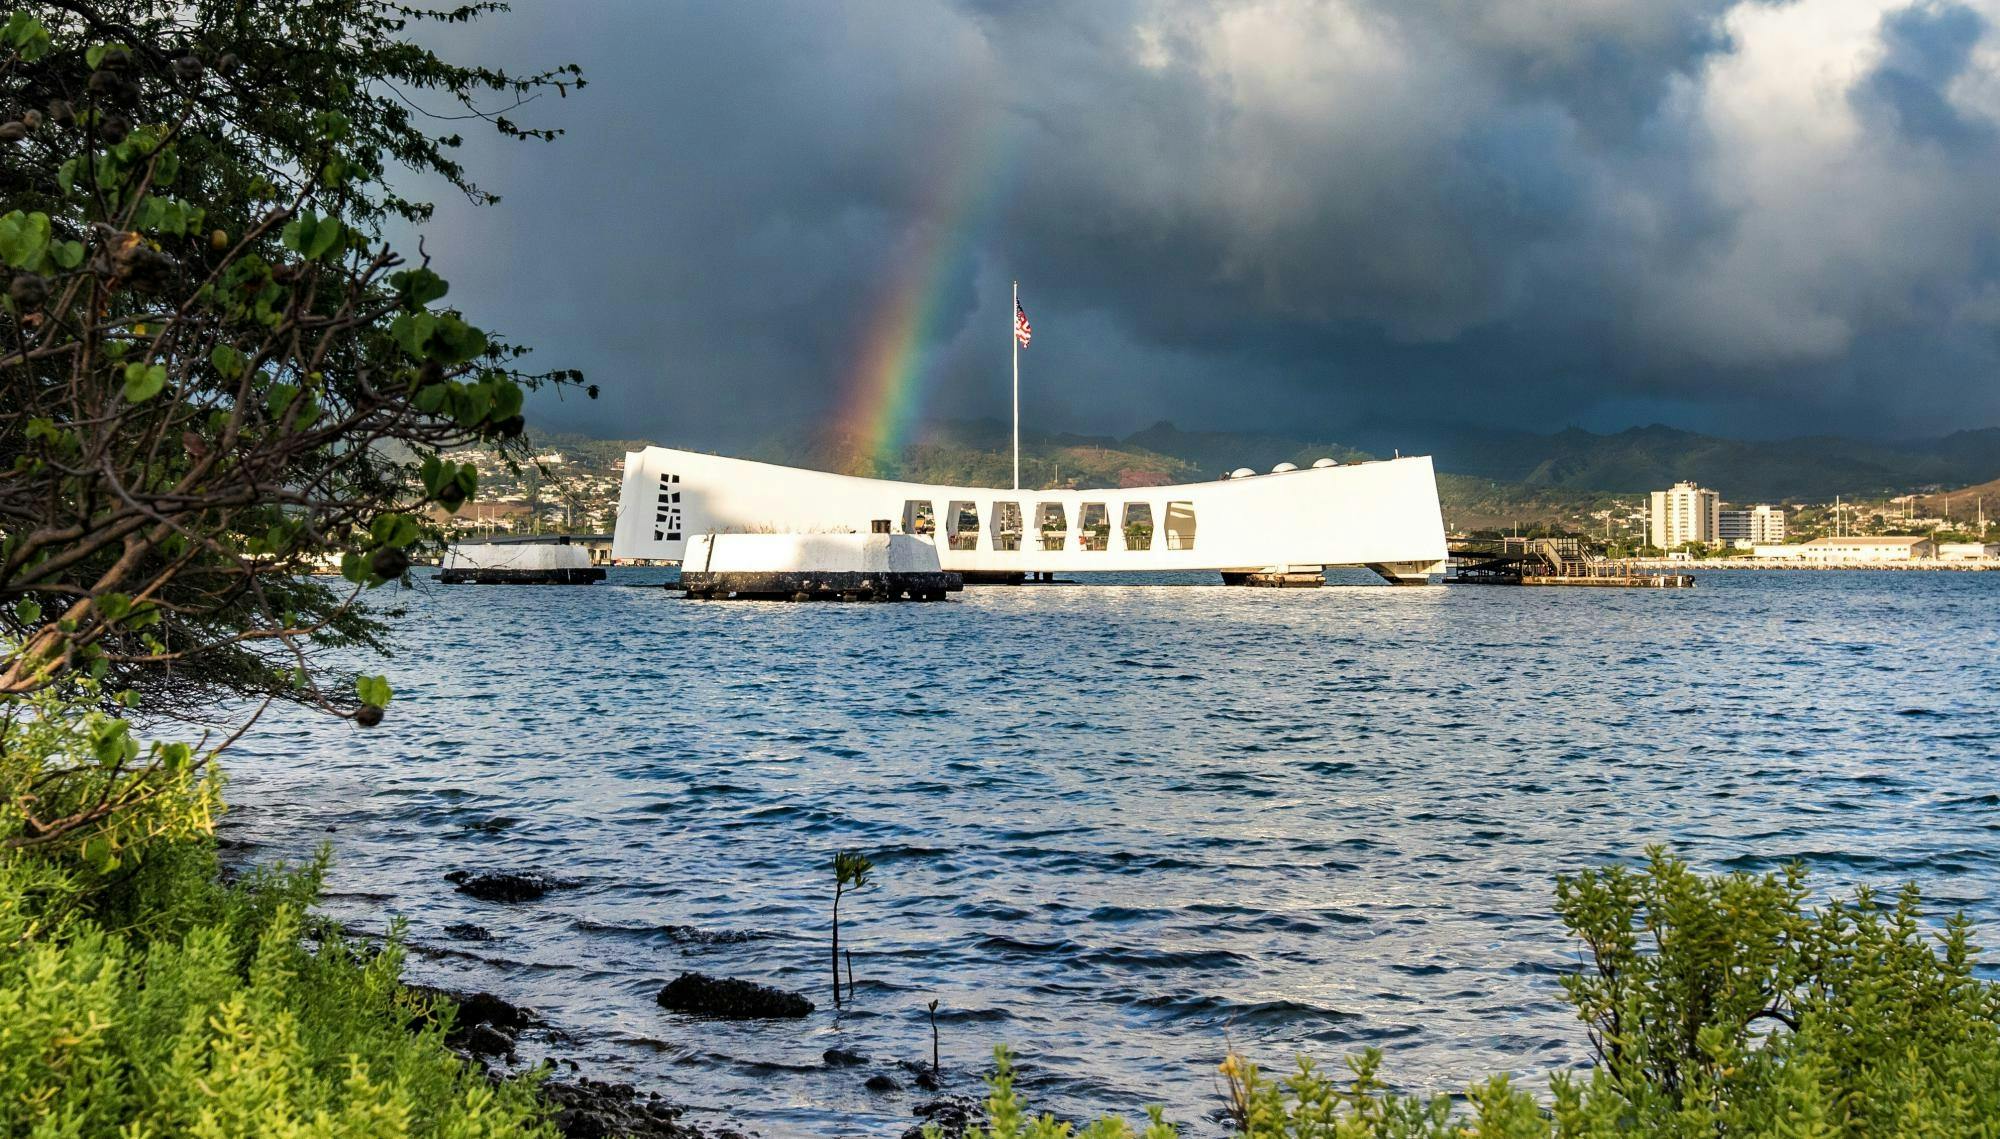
1119	828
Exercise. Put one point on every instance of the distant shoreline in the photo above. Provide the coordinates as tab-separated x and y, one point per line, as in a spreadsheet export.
1932	564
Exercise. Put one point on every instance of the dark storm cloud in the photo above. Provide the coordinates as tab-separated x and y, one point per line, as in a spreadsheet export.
1755	217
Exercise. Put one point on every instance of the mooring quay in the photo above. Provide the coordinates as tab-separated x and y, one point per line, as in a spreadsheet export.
1552	562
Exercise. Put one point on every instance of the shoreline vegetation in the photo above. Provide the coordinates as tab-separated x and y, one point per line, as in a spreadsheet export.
215	375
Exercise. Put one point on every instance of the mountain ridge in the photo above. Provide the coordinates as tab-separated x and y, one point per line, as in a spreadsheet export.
1570	462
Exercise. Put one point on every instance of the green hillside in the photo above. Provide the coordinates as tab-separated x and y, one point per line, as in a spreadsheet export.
1486	479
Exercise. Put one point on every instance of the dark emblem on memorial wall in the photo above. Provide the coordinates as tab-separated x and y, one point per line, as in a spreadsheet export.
667	518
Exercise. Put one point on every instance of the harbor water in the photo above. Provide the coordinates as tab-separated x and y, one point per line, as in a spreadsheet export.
1121	830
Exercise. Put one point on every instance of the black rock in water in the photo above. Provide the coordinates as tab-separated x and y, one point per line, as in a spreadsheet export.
953	1114
485	1008
728	999
587	1109
466	931
485	1024
842	1058
882	1083
506	886
484	1040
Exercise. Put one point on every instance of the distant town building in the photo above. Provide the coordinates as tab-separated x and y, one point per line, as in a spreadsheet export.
1856	550
487	516
1756	525
1968	551
1684	513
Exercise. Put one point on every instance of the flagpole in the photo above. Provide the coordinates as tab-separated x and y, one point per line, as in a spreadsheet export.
1013	334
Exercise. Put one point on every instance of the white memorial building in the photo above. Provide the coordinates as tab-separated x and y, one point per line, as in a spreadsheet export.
1383	515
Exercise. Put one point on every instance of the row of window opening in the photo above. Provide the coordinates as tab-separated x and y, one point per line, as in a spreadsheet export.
1051	530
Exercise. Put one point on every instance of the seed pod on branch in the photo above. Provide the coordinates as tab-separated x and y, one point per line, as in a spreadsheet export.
390	562
127	259
28	291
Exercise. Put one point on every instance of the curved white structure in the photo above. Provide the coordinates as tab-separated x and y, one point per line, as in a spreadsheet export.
1382	515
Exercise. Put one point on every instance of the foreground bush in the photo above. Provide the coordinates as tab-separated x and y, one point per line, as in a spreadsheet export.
1716	1006
160	1003
141	996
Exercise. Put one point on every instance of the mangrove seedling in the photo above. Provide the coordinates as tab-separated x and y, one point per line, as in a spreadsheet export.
850	872
935	1070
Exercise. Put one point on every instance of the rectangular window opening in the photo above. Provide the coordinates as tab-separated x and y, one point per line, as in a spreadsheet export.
962	525
1180	525
1093	522
1139	526
919	518
1006	525
1051	524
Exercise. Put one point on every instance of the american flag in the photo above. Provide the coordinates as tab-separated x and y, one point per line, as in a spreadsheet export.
1022	332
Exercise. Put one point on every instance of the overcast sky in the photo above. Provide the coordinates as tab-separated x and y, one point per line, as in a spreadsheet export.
1760	219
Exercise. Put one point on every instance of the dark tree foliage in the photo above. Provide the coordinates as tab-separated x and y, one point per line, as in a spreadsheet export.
215	374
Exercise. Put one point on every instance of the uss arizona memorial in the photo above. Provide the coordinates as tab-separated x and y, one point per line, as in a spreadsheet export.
1383	515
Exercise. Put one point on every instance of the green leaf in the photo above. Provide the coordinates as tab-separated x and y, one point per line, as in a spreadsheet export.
456	341
27	612
478	400
324	237
24	239
297	232
143	381
66	254
412	332
418	287
506	398
373	690
99	854
229	363
111	741
150	213
26	36
393	530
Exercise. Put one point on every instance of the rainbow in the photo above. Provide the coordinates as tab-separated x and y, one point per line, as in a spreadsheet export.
885	387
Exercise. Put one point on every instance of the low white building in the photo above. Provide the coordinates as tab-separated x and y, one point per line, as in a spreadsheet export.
1968	551
1854	550
1755	525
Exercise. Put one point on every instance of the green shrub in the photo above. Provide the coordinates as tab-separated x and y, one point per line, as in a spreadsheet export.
170	1005
142	996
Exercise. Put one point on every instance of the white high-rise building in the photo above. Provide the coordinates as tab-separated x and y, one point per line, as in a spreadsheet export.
1757	525
1684	513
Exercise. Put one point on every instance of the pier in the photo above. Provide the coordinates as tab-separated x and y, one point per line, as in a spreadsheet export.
1549	562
